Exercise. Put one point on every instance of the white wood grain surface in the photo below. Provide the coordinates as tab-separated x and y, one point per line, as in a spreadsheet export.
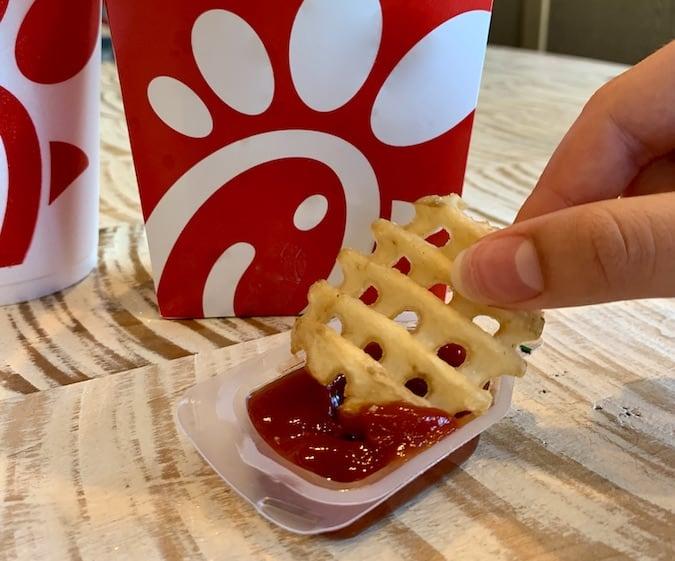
581	469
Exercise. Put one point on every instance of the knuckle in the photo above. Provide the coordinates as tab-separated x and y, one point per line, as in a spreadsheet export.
601	98
606	244
606	109
621	250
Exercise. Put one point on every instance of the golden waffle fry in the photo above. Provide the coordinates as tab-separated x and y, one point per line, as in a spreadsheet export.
411	354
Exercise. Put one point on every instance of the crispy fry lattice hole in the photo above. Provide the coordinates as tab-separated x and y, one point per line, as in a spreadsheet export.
488	324
409	318
439	238
374	350
335	323
418	385
370	295
404	352
403	265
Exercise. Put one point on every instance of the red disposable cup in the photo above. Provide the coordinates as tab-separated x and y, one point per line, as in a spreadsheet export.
267	135
49	137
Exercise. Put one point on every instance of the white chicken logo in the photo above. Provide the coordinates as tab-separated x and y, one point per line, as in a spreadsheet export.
333	48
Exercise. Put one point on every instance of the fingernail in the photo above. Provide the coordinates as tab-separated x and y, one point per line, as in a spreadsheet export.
504	270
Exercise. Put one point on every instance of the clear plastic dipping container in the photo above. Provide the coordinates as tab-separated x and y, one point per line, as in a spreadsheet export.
214	416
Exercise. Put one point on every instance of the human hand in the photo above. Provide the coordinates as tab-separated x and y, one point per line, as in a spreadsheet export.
600	225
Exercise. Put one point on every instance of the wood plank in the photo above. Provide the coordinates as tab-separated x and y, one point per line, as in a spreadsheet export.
582	468
108	323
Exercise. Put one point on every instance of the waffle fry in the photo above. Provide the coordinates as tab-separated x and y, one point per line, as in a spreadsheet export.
411	354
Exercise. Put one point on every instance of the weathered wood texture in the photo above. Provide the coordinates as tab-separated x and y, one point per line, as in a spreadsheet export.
581	469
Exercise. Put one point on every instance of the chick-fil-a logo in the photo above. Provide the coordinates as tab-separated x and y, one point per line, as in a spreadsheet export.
269	134
44	46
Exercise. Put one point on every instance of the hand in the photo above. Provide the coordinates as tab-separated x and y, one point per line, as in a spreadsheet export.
600	225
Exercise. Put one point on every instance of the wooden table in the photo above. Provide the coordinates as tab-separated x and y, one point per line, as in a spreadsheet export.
93	468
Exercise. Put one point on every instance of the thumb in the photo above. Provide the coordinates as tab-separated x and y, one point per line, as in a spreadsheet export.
600	252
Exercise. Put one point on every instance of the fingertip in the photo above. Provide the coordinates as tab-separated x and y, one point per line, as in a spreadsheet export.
461	270
501	271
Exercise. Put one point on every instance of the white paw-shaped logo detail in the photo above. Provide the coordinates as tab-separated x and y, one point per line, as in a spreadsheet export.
339	76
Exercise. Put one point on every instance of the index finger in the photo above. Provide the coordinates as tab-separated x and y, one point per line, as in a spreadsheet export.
627	124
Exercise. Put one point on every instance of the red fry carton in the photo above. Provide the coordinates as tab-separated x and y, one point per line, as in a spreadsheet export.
267	135
49	140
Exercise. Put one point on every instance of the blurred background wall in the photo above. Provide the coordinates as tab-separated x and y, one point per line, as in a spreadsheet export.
617	30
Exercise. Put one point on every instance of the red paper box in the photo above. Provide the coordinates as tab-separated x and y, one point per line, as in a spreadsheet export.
267	134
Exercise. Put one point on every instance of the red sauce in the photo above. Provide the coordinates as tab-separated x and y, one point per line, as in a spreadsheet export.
453	354
370	296
439	239
403	265
301	420
374	350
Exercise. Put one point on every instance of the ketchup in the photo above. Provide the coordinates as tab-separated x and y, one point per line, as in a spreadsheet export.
301	419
